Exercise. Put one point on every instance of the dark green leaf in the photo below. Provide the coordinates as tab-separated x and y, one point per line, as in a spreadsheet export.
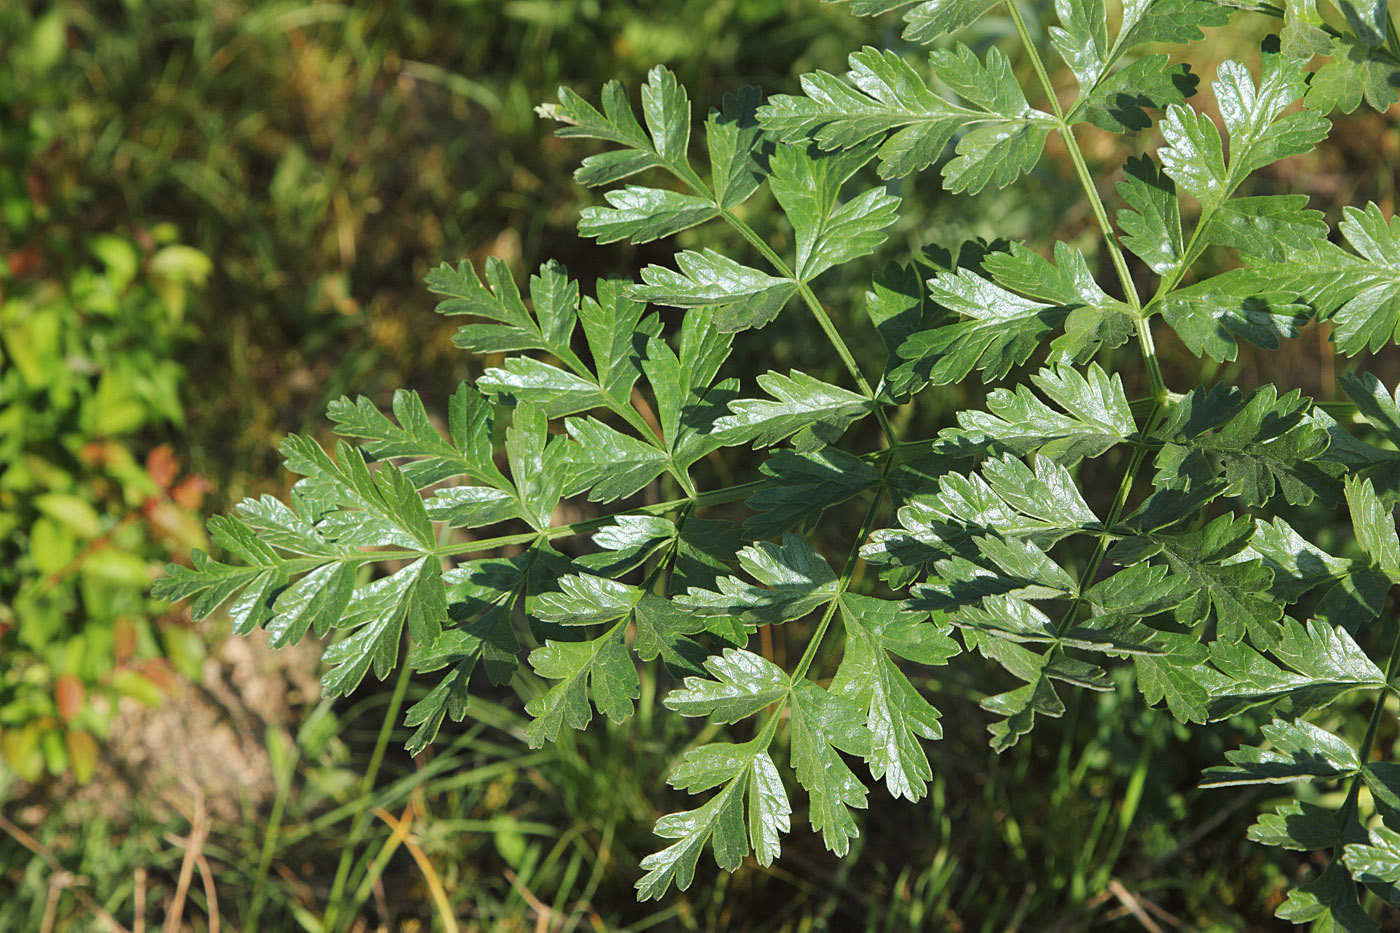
804	485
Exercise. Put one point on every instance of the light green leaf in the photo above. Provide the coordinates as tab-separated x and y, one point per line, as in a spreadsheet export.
747	772
817	412
801	486
584	599
735	143
316	603
537	464
553	296
1299	751
1211	314
640	215
884	94
743	684
999	329
468	453
1152	217
796	580
617	328
1374	525
1258	130
377	614
744	296
822	724
807	185
896	714
600	669
1379	861
1356	72
1320	663
554	391
608	464
1096	415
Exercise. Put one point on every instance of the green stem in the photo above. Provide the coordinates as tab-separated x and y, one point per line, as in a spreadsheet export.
274	827
1115	512
848	570
1369	739
1146	345
823	320
333	921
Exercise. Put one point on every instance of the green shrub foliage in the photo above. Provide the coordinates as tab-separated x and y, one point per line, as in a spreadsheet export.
1079	521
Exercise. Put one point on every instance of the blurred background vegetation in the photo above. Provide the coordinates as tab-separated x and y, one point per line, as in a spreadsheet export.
215	216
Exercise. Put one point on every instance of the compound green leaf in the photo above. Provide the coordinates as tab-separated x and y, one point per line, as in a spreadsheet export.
742	683
1298	564
537	464
824	723
1363	299
377	614
748	774
472	506
662	628
999	329
1119	102
1331	902
884	94
1379	861
468	453
600	669
387	508
1356	72
617	328
1179	676
736	147
1167	21
216	583
640	215
807	185
744	297
896	714
1271	227
801	486
316	603
1235	594
608	464
1319	664
554	391
1152	218
927	20
1259	131
817	412
795	580
585	599
1212	315
664	143
1299	751
1374	525
553	296
1266	443
460	649
1011	136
